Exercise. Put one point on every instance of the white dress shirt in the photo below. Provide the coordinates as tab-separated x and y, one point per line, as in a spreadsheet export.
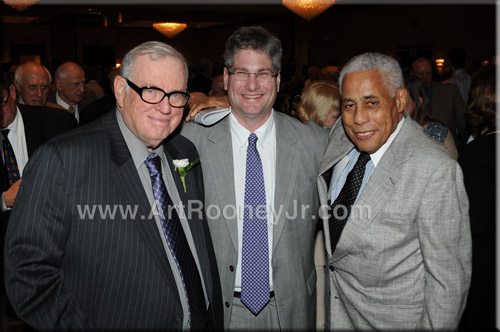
266	146
66	106
17	139
346	164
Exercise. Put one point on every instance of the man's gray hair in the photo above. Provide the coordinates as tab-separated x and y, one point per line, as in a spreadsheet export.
156	51
19	74
387	66
255	38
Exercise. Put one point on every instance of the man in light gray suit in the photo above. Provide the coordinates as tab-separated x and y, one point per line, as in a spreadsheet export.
401	258
290	153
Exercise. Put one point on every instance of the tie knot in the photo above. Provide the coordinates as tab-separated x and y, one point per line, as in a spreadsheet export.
363	158
153	162
5	132
252	140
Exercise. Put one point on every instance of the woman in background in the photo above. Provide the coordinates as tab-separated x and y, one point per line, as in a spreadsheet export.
320	102
417	106
477	160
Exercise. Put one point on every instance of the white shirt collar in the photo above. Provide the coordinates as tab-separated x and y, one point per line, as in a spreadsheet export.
15	125
61	102
240	134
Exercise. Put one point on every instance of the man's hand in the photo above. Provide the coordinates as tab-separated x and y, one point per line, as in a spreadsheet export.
199	102
11	193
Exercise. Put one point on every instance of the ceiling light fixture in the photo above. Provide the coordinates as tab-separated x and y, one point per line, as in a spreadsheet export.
170	29
20	5
308	9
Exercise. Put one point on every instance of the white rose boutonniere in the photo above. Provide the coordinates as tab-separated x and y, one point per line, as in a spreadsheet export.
182	166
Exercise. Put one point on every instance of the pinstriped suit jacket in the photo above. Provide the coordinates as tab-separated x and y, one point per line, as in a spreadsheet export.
403	261
40	124
299	148
64	270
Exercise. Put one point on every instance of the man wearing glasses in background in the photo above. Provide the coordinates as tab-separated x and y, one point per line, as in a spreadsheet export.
261	198
104	241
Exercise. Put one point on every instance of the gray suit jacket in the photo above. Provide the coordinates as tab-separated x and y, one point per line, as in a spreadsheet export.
404	257
299	150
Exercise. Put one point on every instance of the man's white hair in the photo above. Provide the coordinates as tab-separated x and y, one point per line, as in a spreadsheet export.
387	66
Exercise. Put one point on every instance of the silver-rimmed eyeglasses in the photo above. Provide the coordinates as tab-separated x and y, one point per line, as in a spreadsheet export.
154	95
263	76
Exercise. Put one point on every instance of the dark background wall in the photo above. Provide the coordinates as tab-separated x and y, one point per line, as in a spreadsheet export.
403	31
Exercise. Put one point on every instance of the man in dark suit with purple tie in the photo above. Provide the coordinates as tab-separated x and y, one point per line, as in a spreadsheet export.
113	241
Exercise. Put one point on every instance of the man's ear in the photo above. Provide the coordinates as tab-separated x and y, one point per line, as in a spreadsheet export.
401	97
58	83
278	81
119	88
13	93
226	78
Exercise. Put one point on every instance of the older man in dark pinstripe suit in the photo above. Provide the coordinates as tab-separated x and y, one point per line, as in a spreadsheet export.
87	247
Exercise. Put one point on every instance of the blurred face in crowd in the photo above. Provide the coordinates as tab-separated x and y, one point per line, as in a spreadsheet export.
422	69
72	86
370	115
34	87
331	118
151	123
251	98
8	106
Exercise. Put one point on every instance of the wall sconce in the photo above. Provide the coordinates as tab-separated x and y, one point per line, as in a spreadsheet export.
308	9
439	63
20	5
170	29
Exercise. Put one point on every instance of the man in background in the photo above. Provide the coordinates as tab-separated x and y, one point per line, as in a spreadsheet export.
24	128
445	102
32	82
70	89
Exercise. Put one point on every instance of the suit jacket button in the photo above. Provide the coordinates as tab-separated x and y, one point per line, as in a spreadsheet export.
331	268
231	268
226	304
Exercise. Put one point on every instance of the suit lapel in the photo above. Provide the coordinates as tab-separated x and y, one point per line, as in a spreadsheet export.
219	152
378	191
173	150
338	146
129	185
287	163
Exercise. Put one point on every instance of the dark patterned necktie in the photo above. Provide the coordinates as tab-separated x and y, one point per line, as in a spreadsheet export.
178	245
341	208
10	159
255	247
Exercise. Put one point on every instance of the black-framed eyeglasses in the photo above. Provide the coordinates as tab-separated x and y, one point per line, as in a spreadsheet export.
154	95
4	102
264	76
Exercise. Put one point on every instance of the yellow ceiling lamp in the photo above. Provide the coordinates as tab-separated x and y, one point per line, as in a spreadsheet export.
308	9
20	5
170	29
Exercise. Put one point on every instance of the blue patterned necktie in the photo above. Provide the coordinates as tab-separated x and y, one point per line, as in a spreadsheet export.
341	208
178	245
10	159
255	248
